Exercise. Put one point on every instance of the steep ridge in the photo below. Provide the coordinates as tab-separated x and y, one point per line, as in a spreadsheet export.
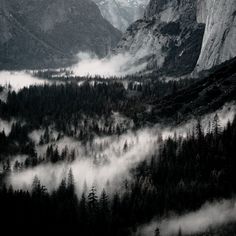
177	37
169	37
219	42
39	34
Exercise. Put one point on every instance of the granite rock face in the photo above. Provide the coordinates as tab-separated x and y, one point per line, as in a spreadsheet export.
219	42
49	33
168	38
177	37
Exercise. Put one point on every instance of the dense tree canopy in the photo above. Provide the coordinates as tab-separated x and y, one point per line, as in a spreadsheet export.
181	177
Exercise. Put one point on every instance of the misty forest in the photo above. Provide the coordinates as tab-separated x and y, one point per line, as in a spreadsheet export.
117	117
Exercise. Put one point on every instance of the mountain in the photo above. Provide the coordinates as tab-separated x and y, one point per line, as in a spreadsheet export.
219	42
212	90
168	38
121	13
49	33
174	36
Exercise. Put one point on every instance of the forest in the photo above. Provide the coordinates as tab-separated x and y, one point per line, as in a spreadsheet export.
182	176
179	176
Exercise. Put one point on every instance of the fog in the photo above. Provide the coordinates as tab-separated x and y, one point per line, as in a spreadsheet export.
116	65
209	215
18	80
6	126
106	161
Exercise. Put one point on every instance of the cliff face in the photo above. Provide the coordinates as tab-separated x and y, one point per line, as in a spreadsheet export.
219	42
175	37
122	13
169	37
47	33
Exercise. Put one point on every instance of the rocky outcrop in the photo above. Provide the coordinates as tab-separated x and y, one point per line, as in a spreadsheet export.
177	37
49	33
121	13
168	38
219	42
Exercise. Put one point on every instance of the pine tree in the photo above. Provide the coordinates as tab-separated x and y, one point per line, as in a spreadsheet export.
71	182
41	140
104	203
46	136
16	165
83	211
93	199
180	232
199	131
216	124
157	232
62	188
37	188
125	148
7	166
72	155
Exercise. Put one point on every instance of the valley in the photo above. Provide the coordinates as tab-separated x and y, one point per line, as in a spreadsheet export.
118	117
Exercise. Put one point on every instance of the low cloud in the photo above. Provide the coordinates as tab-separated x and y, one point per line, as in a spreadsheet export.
19	79
116	65
106	159
208	216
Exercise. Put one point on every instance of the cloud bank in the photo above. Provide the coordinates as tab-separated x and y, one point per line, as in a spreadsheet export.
106	159
116	65
19	79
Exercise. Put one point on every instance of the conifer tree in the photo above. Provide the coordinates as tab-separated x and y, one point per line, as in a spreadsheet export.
71	182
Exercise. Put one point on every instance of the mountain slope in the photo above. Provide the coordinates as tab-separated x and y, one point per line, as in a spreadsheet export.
219	42
121	13
211	91
38	34
174	36
168	37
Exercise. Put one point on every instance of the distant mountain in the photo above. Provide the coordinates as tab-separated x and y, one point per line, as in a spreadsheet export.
121	13
49	33
177	37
